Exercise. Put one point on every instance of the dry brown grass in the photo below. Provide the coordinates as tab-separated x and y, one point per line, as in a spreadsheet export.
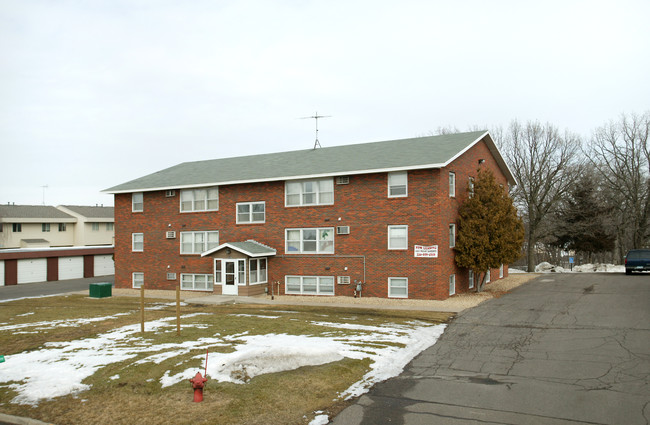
289	397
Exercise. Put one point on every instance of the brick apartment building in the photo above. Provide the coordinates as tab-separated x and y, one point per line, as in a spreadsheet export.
376	216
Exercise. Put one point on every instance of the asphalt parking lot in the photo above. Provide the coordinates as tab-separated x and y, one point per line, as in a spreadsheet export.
41	289
561	349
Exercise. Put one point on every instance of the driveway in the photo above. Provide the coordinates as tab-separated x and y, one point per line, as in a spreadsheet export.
561	349
28	290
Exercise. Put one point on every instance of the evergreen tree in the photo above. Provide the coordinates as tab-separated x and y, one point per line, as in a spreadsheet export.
581	221
490	232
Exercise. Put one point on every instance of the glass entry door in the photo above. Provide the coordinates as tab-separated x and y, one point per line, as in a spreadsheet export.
234	274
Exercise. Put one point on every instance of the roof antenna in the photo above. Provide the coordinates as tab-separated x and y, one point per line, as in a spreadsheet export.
316	117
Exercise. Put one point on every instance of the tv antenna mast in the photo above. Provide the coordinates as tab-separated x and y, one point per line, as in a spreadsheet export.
44	187
316	117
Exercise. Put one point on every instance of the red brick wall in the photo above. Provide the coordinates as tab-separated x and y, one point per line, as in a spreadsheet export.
362	204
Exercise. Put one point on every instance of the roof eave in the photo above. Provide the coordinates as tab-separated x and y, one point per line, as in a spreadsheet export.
280	178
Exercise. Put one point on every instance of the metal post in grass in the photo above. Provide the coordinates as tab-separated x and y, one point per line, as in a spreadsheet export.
142	308
178	310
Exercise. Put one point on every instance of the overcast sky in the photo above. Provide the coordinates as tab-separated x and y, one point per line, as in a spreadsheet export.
97	93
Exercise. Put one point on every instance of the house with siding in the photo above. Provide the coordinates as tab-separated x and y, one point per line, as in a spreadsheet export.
44	226
373	219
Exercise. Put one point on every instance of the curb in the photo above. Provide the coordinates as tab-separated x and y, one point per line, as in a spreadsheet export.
17	420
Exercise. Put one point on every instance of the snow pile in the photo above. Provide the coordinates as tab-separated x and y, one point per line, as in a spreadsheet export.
59	368
546	267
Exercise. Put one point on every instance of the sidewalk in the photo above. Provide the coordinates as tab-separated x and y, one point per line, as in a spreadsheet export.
453	304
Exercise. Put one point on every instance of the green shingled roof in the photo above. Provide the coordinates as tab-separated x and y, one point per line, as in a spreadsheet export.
421	152
250	247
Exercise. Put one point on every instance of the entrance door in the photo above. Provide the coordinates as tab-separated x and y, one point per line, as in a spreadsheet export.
230	277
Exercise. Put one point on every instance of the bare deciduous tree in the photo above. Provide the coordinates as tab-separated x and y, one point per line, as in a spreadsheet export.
620	151
545	164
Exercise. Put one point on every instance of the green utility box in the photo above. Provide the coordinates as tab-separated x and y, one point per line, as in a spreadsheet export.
101	290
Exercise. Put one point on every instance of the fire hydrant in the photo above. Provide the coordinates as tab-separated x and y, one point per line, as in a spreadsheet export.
198	382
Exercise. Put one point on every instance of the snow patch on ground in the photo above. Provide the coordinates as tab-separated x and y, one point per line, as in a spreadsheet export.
546	267
59	368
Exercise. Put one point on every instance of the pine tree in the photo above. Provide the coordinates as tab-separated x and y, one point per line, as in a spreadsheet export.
490	232
581	220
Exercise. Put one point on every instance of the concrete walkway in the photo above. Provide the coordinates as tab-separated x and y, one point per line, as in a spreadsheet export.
343	302
561	349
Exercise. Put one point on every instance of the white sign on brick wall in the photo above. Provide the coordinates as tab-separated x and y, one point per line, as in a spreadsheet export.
426	251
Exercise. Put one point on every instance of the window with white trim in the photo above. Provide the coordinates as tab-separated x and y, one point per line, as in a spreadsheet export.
397	184
198	242
137	242
398	237
62	227
137	202
452	184
257	270
251	212
452	284
501	271
452	235
470	187
16	227
45	227
206	199
398	287
94	227
300	193
487	276
471	279
309	241
309	285
110	227
137	279
197	282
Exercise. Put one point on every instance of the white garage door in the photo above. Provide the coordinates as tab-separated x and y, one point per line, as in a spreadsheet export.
2	273
33	270
104	265
71	268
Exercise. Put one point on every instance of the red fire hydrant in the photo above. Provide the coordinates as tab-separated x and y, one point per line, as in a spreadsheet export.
198	382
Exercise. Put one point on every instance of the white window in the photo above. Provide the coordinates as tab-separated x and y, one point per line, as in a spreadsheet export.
309	285
137	202
200	199
94	227
487	276
452	235
62	227
398	287
397	184
398	237
45	227
471	279
137	279
452	284
197	282
251	212
452	184
501	271
16	227
137	240
198	242
257	270
470	187
309	192
110	227
309	241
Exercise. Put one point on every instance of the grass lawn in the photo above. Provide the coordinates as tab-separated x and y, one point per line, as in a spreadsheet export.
124	384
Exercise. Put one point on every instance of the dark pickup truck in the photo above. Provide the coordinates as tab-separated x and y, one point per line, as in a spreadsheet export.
637	260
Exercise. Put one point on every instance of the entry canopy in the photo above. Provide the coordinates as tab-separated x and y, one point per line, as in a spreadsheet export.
250	248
